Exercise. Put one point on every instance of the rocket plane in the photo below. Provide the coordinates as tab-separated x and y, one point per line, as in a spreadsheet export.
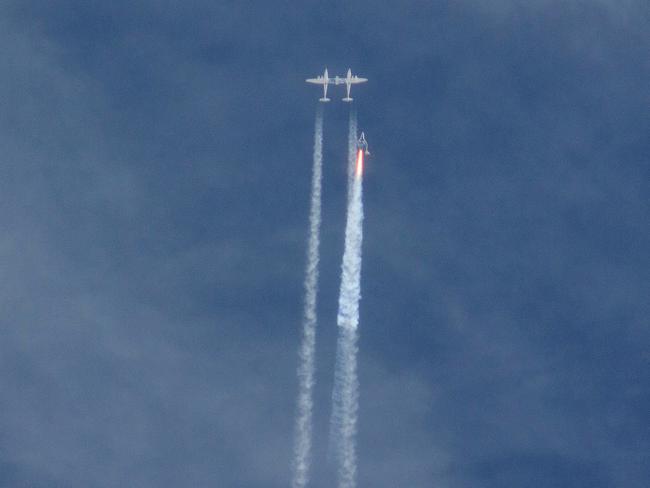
363	144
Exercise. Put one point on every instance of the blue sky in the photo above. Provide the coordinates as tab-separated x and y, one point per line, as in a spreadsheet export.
156	162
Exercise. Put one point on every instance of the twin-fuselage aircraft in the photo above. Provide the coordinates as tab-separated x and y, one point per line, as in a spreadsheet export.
325	80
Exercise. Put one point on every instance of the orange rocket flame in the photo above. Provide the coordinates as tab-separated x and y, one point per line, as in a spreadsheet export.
359	171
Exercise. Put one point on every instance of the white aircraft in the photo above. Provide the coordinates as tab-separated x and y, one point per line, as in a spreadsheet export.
350	80
324	80
363	144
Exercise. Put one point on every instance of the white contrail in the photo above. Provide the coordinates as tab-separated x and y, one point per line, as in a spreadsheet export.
346	386
352	149
303	427
335	419
348	399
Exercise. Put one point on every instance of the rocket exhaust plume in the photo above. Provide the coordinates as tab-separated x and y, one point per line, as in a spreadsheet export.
345	397
359	166
303	426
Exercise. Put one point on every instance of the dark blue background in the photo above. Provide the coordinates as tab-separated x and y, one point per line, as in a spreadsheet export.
154	181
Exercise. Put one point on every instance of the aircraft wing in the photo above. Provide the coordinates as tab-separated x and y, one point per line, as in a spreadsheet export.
356	80
320	81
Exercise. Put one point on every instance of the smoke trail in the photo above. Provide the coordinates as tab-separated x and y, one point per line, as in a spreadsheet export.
348	399
352	148
345	397
303	427
335	419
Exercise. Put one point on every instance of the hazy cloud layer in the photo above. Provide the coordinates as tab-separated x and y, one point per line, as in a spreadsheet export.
154	186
